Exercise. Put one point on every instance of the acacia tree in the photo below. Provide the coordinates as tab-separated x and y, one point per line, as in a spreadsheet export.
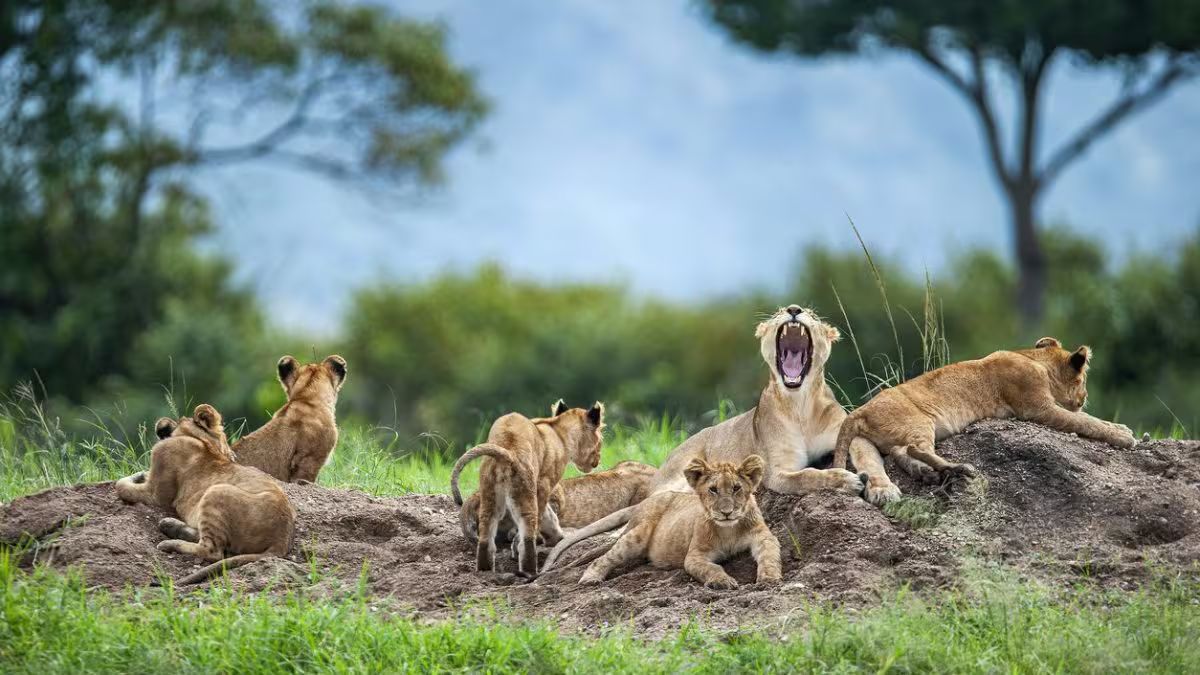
109	107
969	44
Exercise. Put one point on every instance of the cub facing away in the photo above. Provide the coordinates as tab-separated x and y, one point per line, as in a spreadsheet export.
1046	384
297	441
524	461
226	508
694	530
577	501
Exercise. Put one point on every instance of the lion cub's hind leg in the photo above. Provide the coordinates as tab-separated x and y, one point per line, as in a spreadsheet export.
526	513
914	467
954	475
489	524
632	545
174	528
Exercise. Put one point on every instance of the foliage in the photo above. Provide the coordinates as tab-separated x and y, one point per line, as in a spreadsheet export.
51	623
1156	45
103	294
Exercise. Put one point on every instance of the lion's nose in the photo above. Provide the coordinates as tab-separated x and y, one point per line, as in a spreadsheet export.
794	310
728	513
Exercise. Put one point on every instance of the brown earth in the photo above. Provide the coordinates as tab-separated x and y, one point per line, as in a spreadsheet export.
1051	506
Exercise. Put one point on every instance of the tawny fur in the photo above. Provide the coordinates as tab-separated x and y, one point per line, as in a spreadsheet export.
575	501
226	508
1046	384
524	462
791	428
295	444
717	519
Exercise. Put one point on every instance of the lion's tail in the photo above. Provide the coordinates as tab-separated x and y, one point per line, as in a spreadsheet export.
610	522
495	452
216	568
846	435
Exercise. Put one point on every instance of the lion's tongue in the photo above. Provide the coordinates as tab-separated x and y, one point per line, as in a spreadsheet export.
793	363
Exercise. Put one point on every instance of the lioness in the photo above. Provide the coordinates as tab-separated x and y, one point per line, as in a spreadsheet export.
226	508
575	501
1046	384
297	441
525	460
796	421
719	518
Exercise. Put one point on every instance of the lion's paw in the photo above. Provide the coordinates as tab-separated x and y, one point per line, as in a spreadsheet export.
590	578
847	481
880	493
722	583
769	580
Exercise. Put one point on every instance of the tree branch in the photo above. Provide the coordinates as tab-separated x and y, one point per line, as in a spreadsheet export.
269	141
981	99
1123	107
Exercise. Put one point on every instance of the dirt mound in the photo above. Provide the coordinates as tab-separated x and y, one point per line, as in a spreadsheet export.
1051	504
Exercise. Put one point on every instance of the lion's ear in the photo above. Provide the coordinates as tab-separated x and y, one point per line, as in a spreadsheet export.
1079	358
595	414
832	333
558	407
752	470
696	470
336	366
164	427
1047	342
287	371
207	417
761	329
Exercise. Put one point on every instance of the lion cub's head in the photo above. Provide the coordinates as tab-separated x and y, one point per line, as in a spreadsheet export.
793	342
1068	371
321	381
582	432
205	425
725	489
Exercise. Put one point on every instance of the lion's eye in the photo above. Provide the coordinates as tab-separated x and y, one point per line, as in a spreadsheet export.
737	488
712	490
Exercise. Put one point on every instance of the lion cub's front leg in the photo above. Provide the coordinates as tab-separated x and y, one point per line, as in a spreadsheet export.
1083	424
699	564
764	547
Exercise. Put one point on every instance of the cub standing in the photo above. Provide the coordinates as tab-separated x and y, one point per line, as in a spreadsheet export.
525	460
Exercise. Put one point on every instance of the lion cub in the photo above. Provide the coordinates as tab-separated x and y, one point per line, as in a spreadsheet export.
226	508
693	530
525	461
577	501
297	441
1046	384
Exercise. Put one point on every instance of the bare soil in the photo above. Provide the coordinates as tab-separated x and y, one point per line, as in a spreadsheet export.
1050	505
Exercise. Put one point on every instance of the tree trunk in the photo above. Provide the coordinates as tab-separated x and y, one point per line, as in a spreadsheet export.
1031	260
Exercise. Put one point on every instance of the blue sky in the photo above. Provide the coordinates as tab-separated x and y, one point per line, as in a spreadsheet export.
633	142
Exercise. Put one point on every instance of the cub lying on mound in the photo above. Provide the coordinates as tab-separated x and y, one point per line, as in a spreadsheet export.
1046	384
296	442
525	460
717	519
797	419
575	501
226	508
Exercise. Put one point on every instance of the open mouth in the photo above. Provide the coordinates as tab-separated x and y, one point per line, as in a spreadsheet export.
793	353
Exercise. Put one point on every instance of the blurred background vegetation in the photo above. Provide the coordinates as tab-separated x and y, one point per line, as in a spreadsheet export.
111	304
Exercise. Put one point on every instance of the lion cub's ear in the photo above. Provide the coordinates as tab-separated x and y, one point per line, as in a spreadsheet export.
595	414
336	366
558	407
207	417
1047	342
287	371
696	470
164	427
1079	358
752	470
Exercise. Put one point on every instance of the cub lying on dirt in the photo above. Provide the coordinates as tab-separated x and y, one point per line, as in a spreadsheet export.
525	460
296	442
577	501
717	519
1046	384
226	508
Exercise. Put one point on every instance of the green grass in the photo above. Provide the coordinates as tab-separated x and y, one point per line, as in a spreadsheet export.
51	623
